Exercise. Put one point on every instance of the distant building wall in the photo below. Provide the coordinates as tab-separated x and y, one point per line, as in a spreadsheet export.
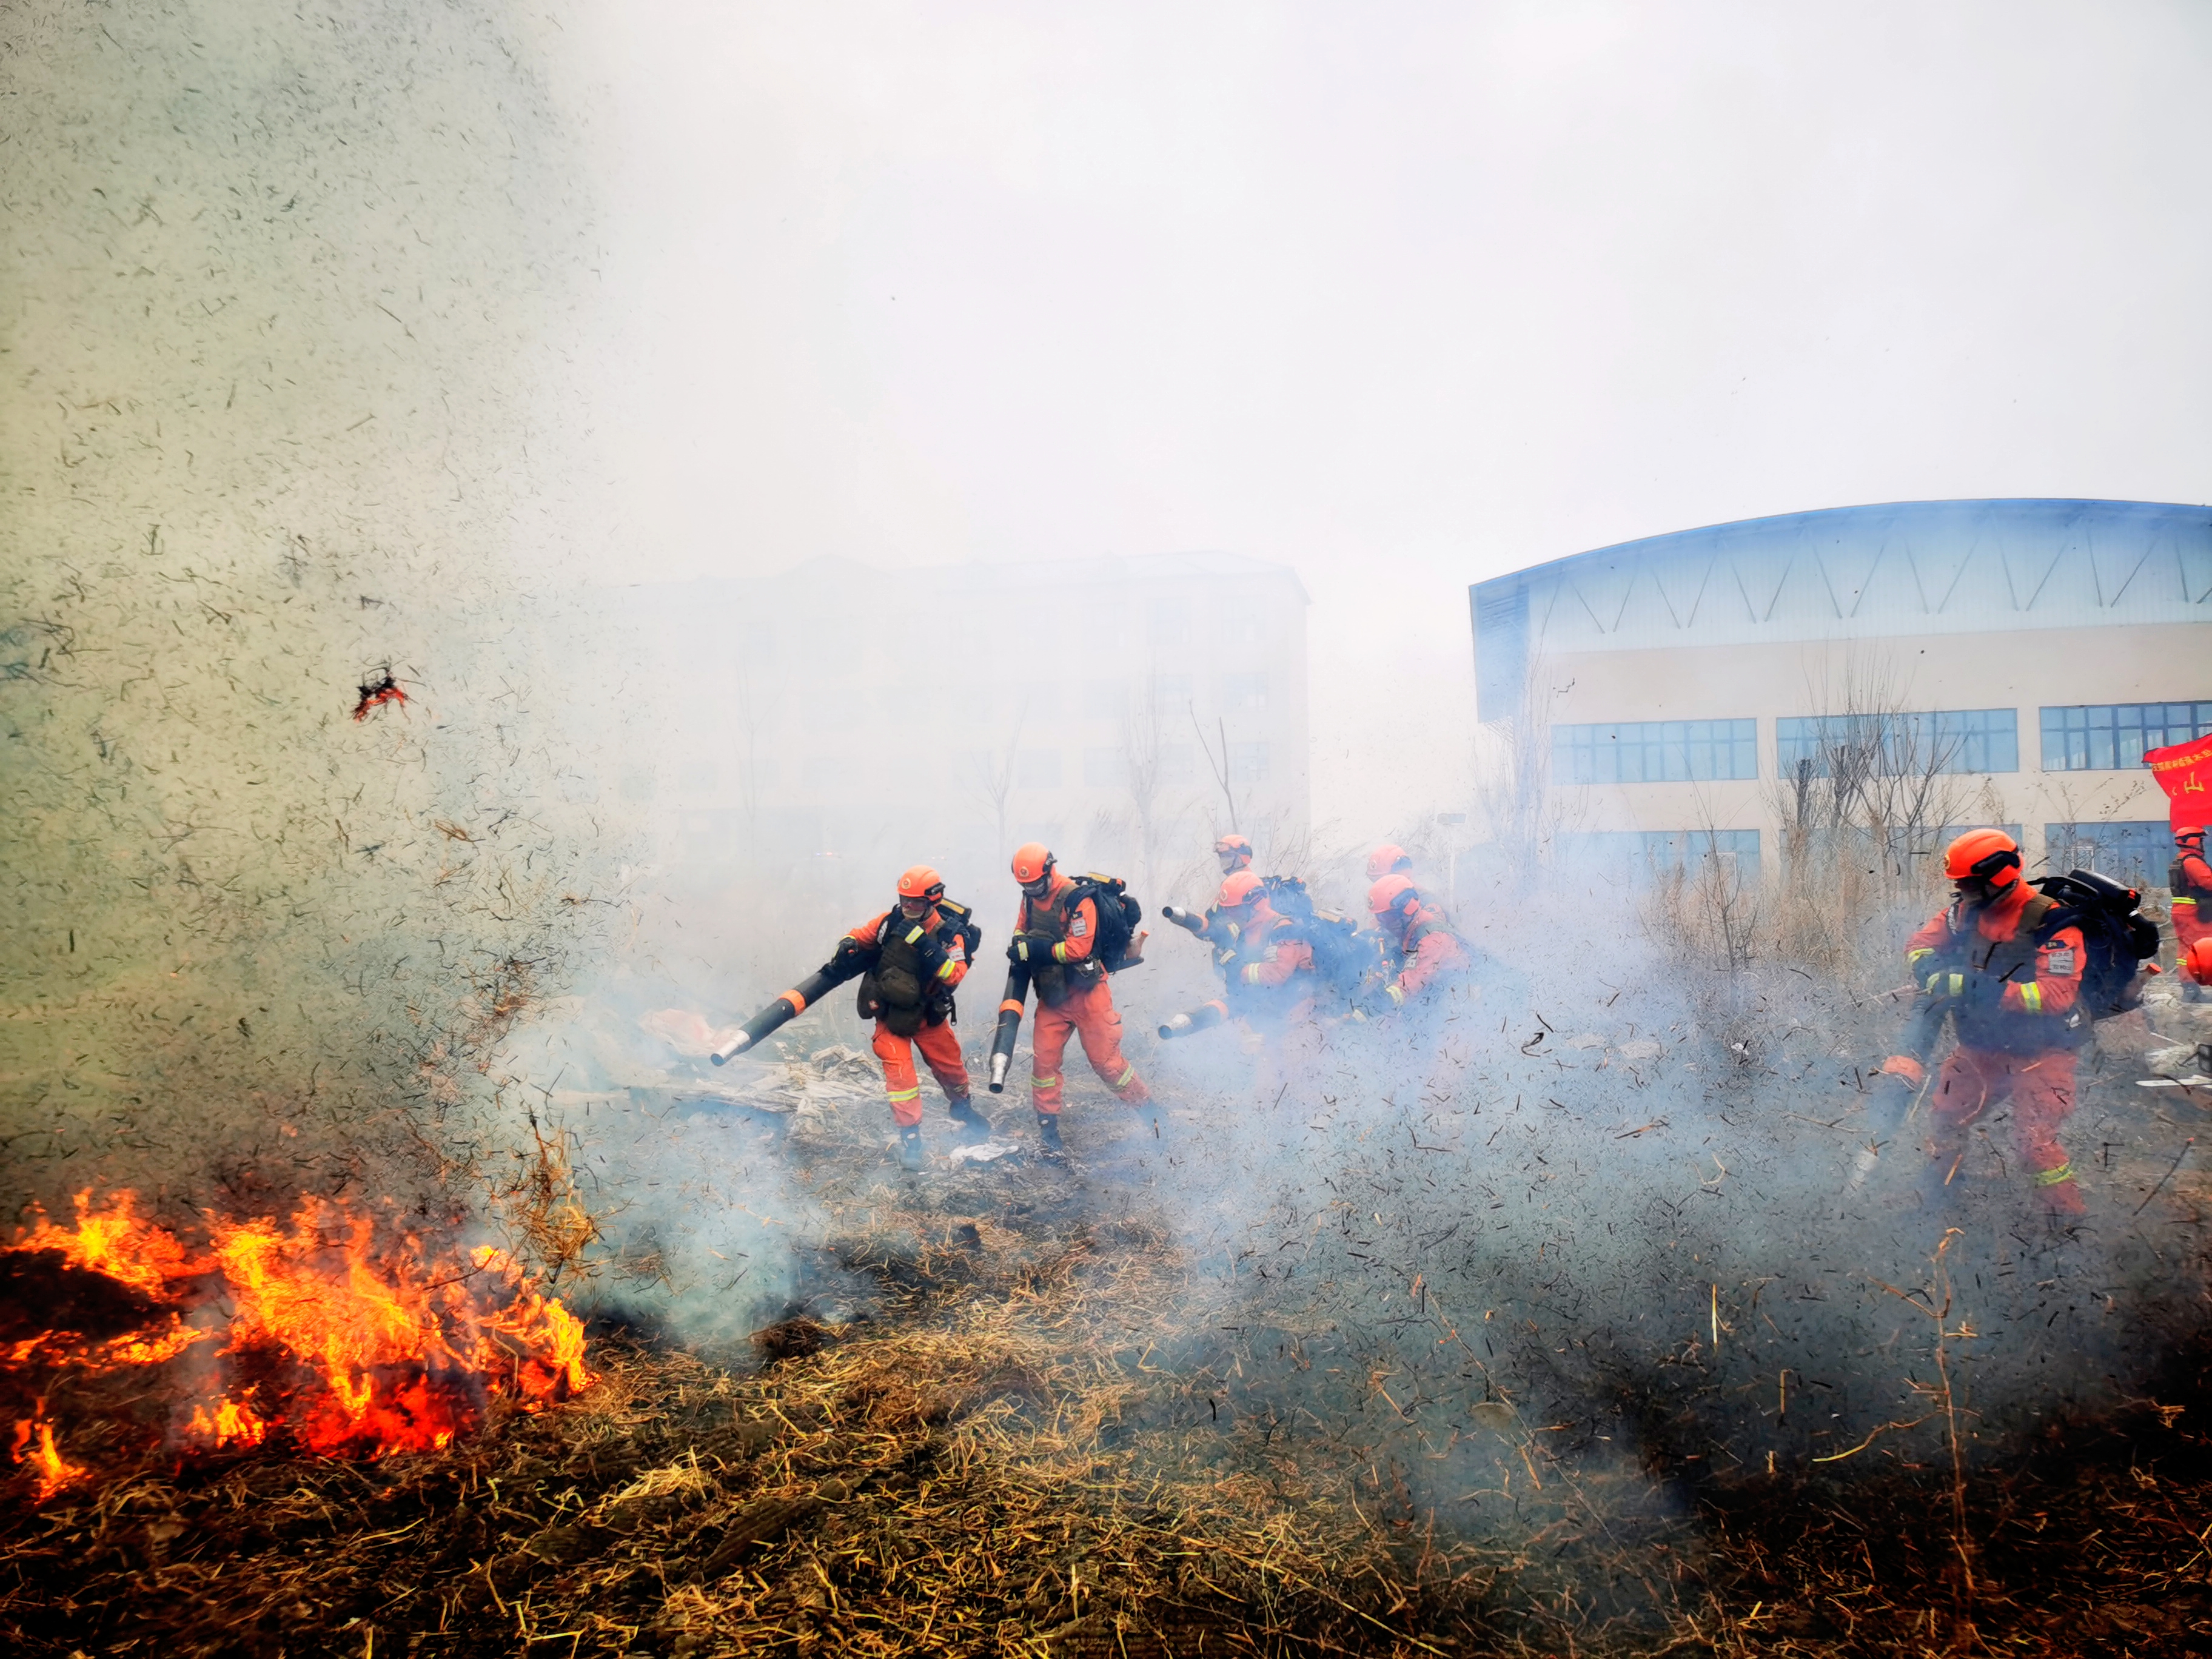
2041	643
842	716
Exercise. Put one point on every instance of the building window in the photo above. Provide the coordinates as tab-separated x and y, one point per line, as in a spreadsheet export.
1037	769
2137	851
1243	694
2113	736
1172	690
1901	745
1104	768
1247	762
1103	698
1656	751
1641	855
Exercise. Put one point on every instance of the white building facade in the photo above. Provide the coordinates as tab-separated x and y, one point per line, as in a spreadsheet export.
2026	651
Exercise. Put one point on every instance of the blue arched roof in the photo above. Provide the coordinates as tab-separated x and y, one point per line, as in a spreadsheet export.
1868	571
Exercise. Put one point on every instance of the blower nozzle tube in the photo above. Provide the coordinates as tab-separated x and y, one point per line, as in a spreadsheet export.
791	1003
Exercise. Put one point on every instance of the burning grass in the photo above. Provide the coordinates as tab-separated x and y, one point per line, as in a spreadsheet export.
332	1332
1024	1452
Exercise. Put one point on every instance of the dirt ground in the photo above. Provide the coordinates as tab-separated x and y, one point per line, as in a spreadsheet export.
1000	1441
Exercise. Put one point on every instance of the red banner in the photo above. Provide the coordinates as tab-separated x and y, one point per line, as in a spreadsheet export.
2185	772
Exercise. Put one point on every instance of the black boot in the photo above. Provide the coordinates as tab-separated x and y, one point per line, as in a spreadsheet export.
910	1147
970	1126
1049	1135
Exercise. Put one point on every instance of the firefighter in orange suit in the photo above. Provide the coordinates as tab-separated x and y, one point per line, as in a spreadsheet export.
912	957
1270	969
1418	943
2008	966
2190	881
1053	939
1270	983
1388	860
1234	853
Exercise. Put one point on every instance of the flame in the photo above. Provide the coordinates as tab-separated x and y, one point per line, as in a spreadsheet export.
332	1335
54	1471
230	1425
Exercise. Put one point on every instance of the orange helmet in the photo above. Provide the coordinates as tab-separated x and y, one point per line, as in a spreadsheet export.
1239	889
2198	963
922	883
1991	854
1384	860
1234	845
2188	832
1388	893
1032	862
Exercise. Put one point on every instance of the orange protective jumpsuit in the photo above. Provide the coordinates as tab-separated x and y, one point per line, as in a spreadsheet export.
942	964
2191	882
2016	986
1426	953
1072	996
1271	988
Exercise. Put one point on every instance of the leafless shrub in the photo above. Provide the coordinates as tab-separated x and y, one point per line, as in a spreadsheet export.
1862	813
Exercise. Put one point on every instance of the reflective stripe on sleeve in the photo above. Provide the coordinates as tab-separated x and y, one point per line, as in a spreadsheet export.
2031	998
2052	1177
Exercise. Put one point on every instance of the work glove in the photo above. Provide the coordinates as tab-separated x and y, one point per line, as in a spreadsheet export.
1384	999
1031	948
1944	984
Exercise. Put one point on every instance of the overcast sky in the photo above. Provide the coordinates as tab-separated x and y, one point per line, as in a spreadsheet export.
1402	295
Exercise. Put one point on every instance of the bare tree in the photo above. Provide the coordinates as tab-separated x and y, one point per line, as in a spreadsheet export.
1861	807
1220	767
1142	769
1883	773
991	772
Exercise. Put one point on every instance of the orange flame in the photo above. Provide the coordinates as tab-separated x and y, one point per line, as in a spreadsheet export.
54	1471
335	1337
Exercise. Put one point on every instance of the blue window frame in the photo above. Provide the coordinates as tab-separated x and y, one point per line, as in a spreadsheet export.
2136	851
2113	736
1643	853
1247	762
1935	739
1656	751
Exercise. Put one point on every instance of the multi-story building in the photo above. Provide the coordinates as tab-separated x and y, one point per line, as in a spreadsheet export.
839	717
2000	661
